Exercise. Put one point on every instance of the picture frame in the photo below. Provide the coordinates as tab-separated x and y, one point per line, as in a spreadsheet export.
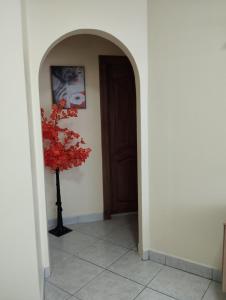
68	82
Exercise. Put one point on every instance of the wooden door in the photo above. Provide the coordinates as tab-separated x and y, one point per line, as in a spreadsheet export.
119	138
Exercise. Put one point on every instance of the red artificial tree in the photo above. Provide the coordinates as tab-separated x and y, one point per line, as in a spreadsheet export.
62	151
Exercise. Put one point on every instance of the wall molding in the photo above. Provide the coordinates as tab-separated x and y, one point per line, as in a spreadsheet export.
77	219
183	265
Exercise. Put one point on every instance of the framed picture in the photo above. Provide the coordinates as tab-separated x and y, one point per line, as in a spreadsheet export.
68	82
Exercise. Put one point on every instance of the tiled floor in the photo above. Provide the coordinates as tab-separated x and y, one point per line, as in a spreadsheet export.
99	261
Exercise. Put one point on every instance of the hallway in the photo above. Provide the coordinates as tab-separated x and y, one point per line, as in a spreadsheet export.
99	261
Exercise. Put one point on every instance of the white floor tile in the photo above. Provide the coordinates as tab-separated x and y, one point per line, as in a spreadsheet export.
96	229
102	253
130	219
149	294
72	242
54	293
57	256
73	273
179	284
124	237
133	267
214	292
109	286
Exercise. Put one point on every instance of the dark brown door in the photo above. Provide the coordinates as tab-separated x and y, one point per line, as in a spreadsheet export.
119	139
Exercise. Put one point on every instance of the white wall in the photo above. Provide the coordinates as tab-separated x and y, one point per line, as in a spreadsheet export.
187	115
20	278
81	188
47	22
187	56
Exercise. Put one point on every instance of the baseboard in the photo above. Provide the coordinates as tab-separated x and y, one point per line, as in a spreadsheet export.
47	272
145	255
124	214
42	286
217	275
184	265
77	219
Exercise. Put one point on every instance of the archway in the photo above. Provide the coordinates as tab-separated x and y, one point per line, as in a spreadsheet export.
118	43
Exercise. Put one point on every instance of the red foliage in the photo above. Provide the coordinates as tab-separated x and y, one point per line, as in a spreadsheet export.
62	147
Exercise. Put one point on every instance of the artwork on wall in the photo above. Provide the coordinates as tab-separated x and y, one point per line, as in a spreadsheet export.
68	82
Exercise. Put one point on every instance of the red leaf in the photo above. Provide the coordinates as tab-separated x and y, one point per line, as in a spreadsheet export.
61	145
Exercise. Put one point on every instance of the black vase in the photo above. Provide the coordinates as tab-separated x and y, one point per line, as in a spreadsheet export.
59	230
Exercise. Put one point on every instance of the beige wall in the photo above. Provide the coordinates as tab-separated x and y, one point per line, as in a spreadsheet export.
81	187
187	60
21	275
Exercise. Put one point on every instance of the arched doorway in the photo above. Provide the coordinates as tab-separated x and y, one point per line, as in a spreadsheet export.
44	95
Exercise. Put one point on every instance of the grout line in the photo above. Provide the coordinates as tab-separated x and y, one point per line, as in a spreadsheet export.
147	286
206	289
103	270
111	271
88	282
88	261
60	288
98	239
59	249
63	250
163	293
117	259
139	293
104	237
117	227
78	231
92	263
124	214
116	245
188	272
106	268
76	297
126	277
92	235
155	276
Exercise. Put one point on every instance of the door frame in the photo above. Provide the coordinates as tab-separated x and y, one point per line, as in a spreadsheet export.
105	60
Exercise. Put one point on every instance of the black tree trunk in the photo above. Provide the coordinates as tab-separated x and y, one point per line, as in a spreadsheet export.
59	230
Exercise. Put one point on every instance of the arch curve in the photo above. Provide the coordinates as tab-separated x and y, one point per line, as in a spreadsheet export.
108	36
100	33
